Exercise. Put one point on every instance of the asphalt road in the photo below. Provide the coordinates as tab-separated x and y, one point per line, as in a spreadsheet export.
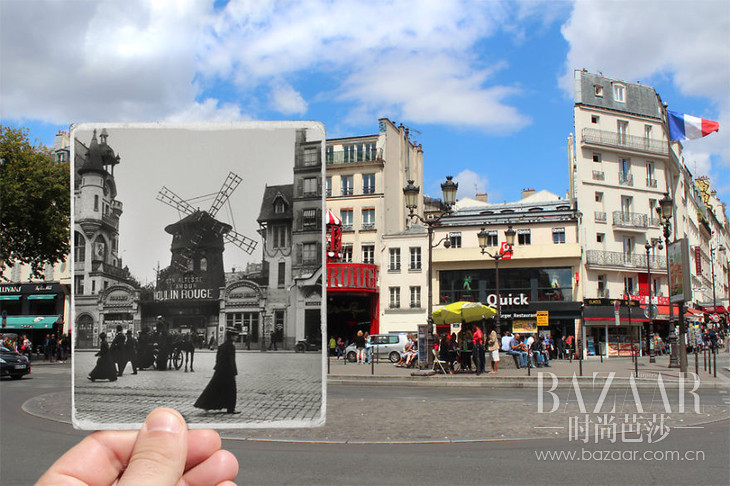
685	456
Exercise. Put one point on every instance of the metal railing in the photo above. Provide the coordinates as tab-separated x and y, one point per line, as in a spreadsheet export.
599	175
621	259
600	216
626	179
651	182
349	157
621	140
634	220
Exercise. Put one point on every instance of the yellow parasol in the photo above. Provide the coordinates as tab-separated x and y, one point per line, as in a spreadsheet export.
462	311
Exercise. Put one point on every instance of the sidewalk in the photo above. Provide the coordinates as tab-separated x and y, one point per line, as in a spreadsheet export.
563	371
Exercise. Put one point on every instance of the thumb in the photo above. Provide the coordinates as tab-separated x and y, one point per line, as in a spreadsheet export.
160	452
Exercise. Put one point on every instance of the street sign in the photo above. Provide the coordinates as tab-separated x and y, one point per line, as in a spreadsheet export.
713	318
543	318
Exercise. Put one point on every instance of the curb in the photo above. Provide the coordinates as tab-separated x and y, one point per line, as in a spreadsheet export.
517	382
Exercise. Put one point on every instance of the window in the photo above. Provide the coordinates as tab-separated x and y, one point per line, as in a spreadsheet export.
279	206
394	260
394	297
647	132
93	287
624	176
247	324
626	207
309	253
619	93
368	254
455	238
79	247
310	186
281	275
599	197
596	157
328	186
79	284
311	157
602	291
309	219
492	238
622	127
278	233
203	264
523	236
598	90
368	218
629	285
558	235
349	153
347	185
415	258
346	216
595	118
650	177
368	183
96	203
415	297
347	253
628	249
600	237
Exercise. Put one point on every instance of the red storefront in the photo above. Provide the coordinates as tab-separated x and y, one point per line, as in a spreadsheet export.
352	299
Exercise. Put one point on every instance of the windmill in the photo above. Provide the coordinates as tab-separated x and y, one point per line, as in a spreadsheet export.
199	236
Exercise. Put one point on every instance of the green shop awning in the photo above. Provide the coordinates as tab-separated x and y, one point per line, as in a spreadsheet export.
9	297
30	322
41	296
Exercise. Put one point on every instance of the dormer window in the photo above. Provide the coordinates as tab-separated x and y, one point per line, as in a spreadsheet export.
619	93
279	206
598	90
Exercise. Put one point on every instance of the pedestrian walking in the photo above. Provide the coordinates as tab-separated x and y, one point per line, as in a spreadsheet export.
360	346
221	390
104	369
130	352
117	350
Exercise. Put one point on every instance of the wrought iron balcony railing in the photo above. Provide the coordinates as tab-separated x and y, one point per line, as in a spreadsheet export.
599	175
635	261
634	220
600	216
651	182
626	178
351	157
621	140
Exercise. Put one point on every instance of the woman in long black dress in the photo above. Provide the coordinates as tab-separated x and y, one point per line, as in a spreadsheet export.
105	368
221	390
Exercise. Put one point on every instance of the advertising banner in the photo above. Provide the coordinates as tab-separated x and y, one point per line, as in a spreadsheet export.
524	327
680	288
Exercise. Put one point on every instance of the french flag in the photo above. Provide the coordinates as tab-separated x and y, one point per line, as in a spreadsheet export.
688	127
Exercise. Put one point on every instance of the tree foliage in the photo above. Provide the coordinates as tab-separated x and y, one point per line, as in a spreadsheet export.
35	203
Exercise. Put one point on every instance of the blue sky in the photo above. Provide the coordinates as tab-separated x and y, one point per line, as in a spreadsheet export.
487	84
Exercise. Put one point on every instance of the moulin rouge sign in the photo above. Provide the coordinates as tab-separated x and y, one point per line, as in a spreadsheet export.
185	288
352	276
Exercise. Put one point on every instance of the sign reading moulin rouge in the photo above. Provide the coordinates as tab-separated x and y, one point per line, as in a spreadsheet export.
352	276
190	287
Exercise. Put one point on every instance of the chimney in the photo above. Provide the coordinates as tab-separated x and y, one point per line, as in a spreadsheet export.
481	197
527	192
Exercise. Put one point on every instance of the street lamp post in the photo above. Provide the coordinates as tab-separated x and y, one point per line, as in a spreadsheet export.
411	193
720	249
483	237
677	358
649	306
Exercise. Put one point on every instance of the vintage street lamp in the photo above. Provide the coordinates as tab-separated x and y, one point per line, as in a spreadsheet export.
509	236
650	307
677	358
411	194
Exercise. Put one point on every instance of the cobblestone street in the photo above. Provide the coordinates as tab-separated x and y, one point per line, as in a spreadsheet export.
273	390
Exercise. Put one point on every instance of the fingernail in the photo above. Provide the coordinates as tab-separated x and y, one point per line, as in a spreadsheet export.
164	421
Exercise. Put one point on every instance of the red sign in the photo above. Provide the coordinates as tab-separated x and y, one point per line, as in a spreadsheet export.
352	276
505	250
698	261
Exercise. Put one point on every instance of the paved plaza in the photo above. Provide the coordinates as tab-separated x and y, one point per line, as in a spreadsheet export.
273	389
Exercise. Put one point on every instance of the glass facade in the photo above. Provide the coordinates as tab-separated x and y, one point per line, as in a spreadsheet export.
538	284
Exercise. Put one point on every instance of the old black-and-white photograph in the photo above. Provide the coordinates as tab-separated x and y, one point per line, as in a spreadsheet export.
197	283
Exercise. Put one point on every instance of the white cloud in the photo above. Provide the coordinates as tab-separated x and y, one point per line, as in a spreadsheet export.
470	183
209	110
285	99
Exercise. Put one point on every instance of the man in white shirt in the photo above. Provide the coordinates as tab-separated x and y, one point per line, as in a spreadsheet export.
505	341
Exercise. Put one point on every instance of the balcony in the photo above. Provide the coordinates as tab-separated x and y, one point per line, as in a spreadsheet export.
368	227
635	261
626	178
350	157
101	267
600	216
599	175
602	293
606	138
630	220
651	183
